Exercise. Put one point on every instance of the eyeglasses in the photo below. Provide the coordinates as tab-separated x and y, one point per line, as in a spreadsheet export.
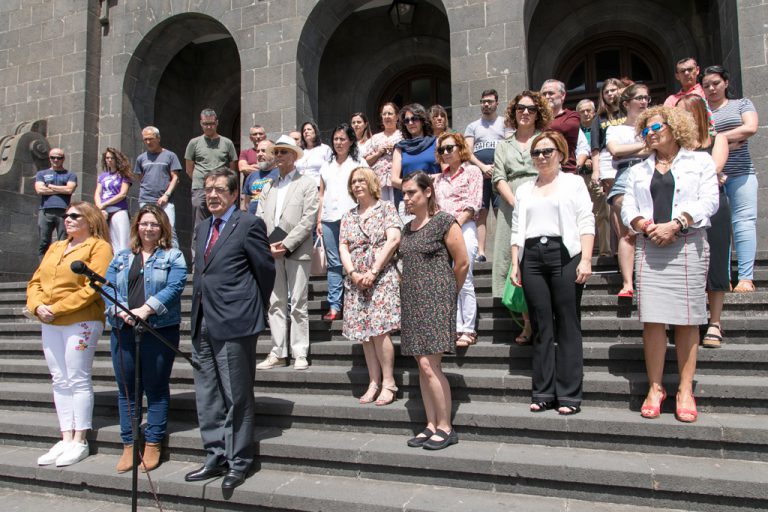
411	120
641	97
282	151
73	216
655	127
545	152
147	139
207	125
217	190
56	157
533	109
487	102
446	148
149	225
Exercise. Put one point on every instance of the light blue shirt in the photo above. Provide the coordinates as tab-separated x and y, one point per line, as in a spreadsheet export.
224	219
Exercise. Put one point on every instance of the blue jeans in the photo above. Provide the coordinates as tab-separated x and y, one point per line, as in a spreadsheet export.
156	365
742	196
335	268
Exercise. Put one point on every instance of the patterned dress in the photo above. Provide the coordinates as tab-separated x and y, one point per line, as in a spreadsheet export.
375	311
428	291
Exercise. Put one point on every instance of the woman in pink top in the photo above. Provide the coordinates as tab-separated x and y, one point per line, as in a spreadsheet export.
380	148
459	191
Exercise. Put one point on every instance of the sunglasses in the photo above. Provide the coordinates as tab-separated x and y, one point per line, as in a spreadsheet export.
56	157
282	151
655	127
546	152
446	148
73	216
411	120
533	109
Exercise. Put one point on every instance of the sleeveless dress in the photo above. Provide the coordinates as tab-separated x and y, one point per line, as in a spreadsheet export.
428	289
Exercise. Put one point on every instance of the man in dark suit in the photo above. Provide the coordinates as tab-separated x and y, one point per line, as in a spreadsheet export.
233	278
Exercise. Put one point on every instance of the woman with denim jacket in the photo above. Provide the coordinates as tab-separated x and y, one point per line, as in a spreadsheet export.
149	278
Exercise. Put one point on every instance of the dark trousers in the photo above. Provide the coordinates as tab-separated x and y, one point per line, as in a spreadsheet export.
200	211
224	396
48	220
155	376
554	302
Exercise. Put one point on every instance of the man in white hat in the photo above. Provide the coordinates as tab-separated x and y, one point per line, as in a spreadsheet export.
288	206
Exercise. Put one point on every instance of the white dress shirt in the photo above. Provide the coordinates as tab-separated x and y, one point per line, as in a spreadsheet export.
282	190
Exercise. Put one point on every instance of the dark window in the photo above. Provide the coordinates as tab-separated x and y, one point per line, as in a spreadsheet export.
427	85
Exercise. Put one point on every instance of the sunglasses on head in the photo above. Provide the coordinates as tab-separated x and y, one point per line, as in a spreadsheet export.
446	148
546	152
73	216
533	109
655	127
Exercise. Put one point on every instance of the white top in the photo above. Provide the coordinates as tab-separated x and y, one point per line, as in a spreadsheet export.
541	217
336	198
696	191
574	213
582	146
607	172
621	134
313	160
282	190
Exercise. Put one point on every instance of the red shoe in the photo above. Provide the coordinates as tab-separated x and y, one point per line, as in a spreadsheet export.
332	315
692	414
653	411
626	294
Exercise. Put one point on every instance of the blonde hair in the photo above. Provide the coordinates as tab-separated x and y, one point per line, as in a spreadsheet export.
680	121
374	188
97	224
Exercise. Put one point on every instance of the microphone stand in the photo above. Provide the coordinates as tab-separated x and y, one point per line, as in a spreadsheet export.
140	326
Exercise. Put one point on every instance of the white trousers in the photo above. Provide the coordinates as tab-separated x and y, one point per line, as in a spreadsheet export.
69	351
120	230
466	312
291	284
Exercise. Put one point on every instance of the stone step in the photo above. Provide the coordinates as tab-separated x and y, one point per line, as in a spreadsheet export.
23	501
730	359
714	393
279	490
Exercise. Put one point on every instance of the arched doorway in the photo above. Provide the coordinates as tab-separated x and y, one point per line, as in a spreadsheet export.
358	54
428	85
184	64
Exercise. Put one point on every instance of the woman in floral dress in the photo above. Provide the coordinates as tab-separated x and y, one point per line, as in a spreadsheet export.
380	147
369	236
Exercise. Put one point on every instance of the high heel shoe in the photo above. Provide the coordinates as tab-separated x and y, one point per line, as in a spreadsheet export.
653	411
692	414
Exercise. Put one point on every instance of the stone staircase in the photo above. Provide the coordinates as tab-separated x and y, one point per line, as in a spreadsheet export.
318	449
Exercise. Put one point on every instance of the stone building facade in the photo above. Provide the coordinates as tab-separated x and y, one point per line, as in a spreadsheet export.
97	71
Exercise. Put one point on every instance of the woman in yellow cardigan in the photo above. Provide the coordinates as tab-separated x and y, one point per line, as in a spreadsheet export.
72	315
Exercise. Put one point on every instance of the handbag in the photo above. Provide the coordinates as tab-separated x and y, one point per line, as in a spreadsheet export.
513	297
319	263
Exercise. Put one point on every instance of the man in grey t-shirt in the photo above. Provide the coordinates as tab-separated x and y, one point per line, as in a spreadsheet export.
158	169
204	154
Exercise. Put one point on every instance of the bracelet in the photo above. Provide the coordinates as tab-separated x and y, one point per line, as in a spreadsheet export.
679	223
645	225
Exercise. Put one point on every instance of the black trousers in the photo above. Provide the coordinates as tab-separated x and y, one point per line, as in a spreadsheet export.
554	304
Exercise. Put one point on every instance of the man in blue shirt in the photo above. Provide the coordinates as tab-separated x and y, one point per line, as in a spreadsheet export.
55	187
265	172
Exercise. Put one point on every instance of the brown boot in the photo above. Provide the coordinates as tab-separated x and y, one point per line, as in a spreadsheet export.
151	457
125	463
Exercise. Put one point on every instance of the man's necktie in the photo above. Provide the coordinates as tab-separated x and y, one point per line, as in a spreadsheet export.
214	237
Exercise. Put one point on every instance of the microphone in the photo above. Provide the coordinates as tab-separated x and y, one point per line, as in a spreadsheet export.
78	267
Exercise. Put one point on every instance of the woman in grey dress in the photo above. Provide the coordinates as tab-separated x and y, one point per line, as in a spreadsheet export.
430	243
669	199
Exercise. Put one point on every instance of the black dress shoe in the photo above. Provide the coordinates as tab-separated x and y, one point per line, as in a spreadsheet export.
204	473
233	479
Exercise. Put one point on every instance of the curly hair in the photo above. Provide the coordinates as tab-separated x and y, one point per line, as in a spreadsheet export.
122	164
417	110
679	121
461	144
543	116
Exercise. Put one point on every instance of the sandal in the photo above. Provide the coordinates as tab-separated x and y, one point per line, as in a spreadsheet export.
542	406
686	415
712	340
745	286
466	339
625	294
653	411
392	398
570	410
524	339
370	394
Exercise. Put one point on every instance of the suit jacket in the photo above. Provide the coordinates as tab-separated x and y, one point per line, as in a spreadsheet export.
299	216
232	290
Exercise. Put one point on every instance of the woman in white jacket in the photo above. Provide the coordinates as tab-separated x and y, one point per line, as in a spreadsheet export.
553	231
669	200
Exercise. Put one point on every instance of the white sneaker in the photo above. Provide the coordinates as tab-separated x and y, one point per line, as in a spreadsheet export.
53	454
270	362
300	363
75	452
